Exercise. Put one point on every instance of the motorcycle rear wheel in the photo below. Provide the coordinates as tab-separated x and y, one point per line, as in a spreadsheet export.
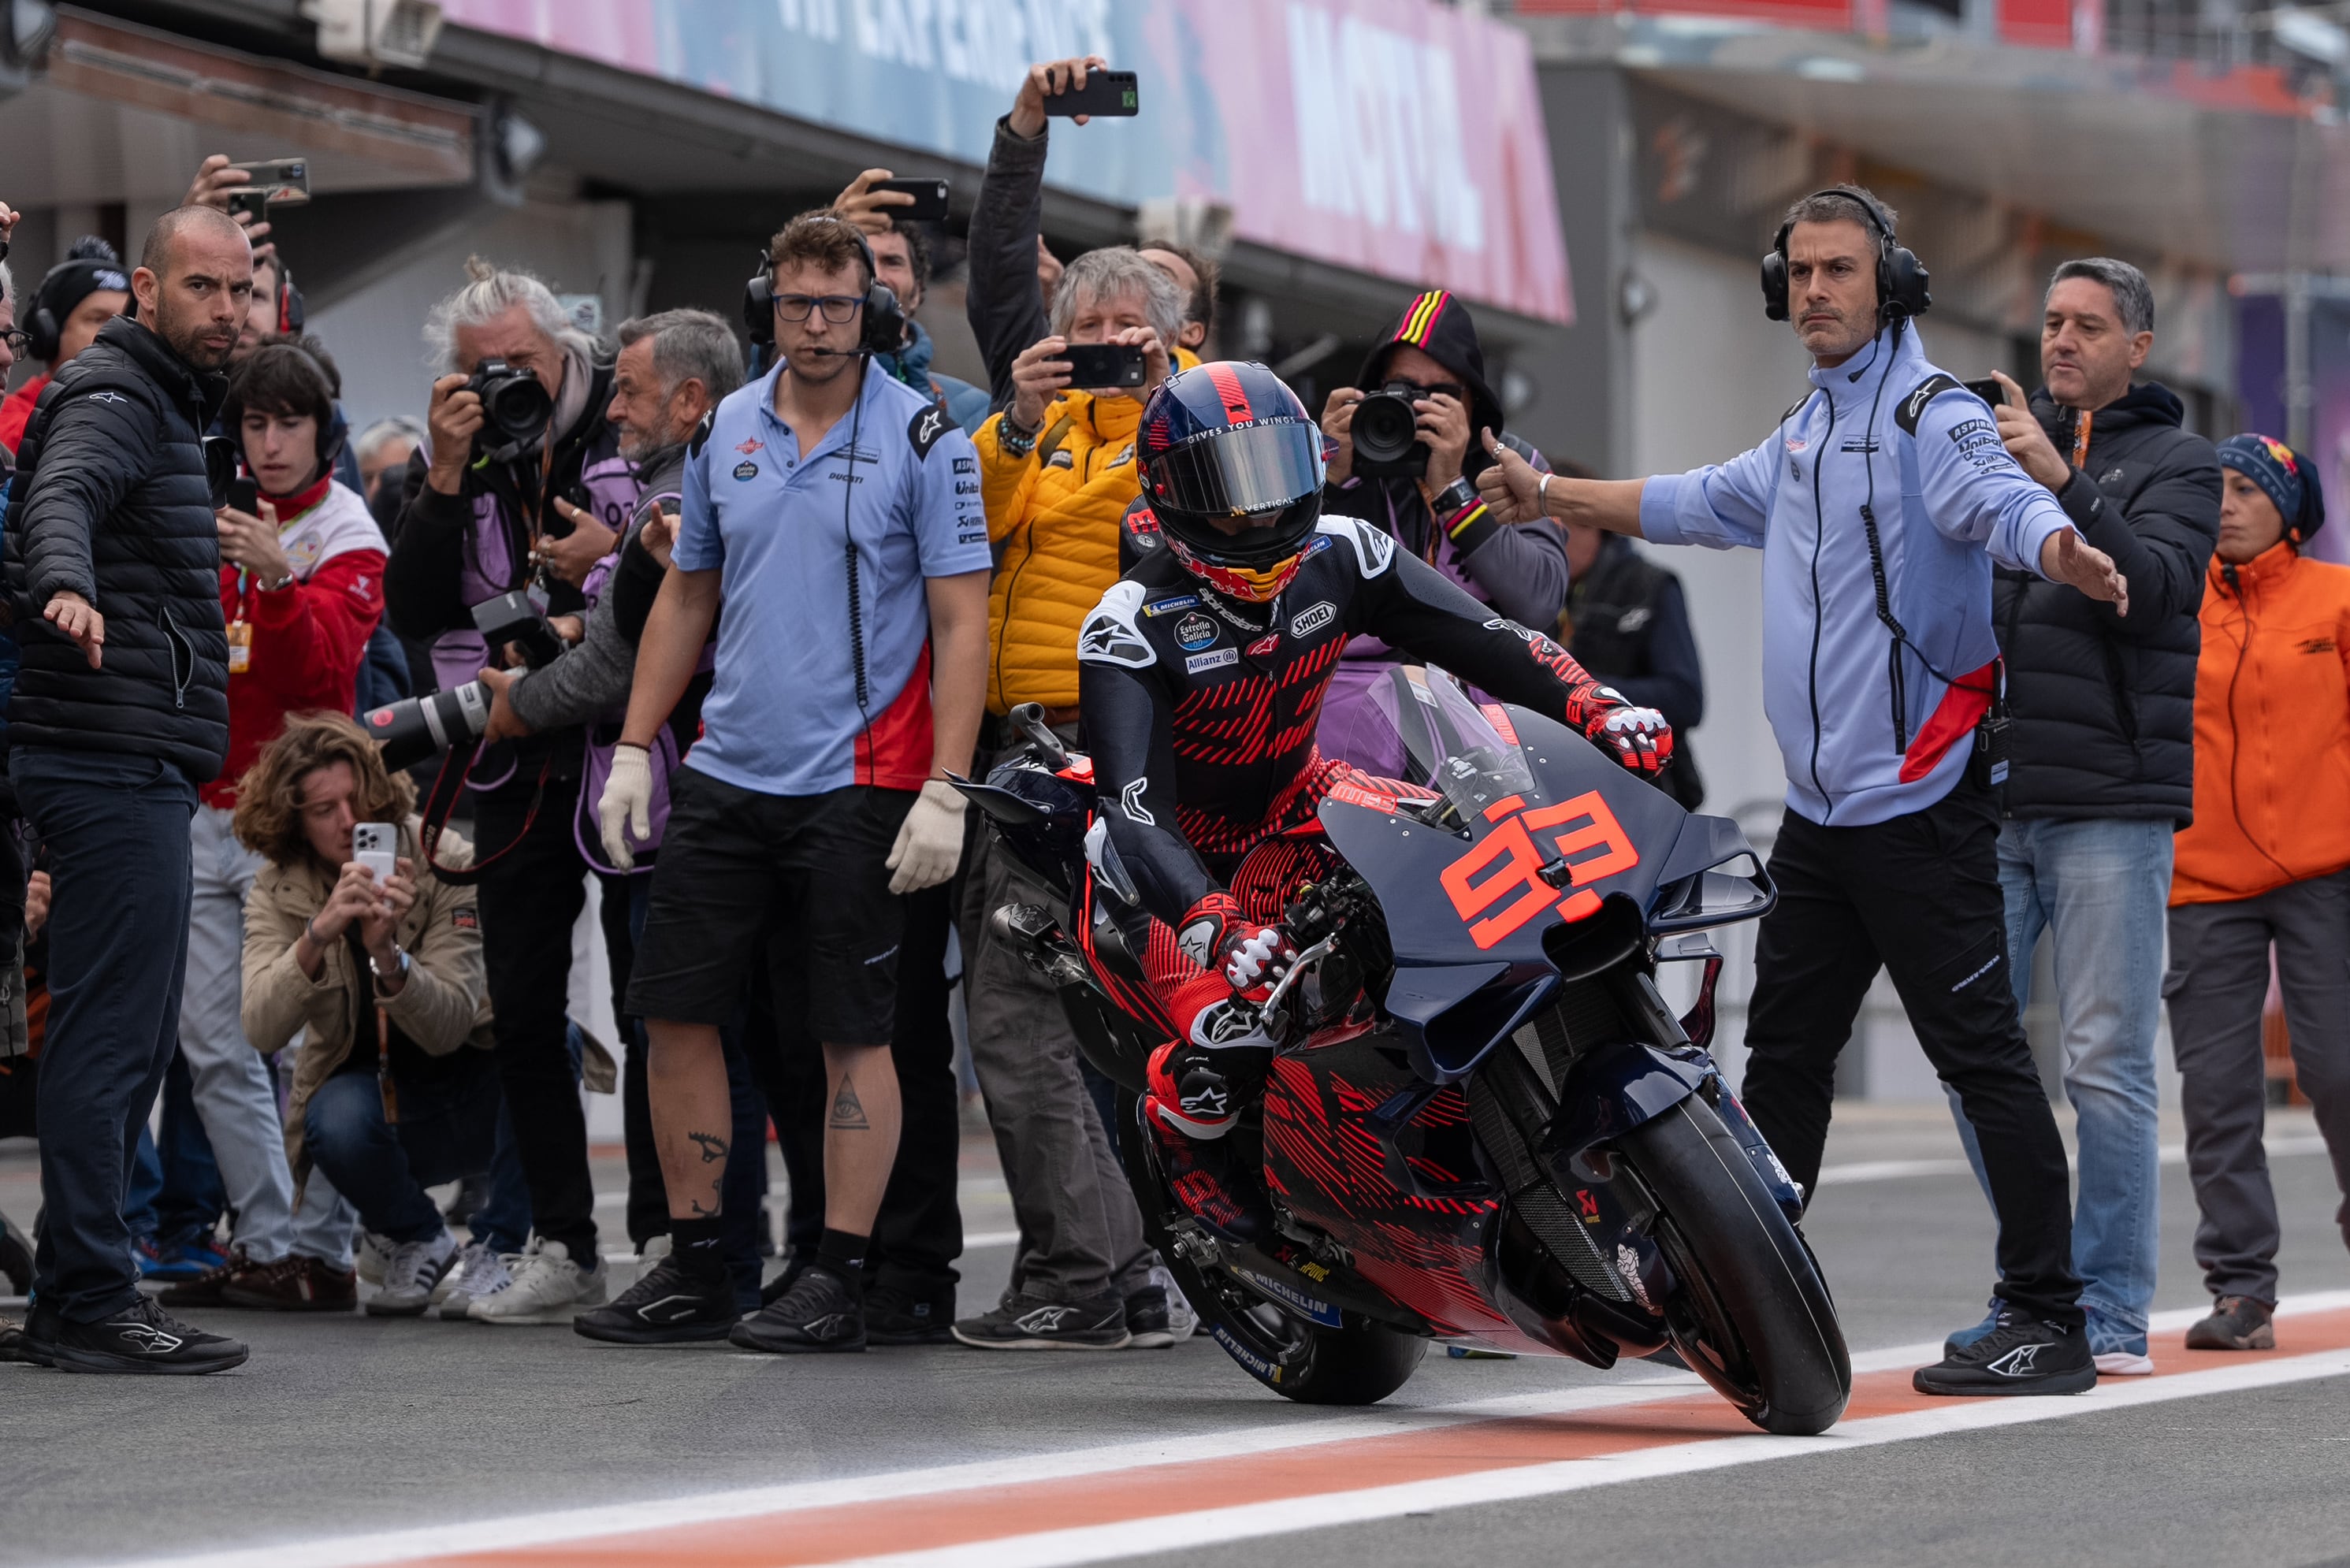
1752	1315
1360	1363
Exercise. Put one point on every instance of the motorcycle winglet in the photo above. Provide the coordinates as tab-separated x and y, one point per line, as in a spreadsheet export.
1611	1089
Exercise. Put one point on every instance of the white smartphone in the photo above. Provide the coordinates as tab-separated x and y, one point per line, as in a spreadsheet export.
375	845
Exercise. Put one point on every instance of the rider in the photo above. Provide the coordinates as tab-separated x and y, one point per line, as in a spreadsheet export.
1202	675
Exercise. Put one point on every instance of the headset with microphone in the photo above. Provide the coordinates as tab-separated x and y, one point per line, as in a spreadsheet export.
44	328
882	330
1901	278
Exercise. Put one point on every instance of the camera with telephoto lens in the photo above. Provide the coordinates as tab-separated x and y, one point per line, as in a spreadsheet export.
1386	433
414	728
515	409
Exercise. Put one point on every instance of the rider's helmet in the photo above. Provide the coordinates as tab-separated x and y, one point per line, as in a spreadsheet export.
1224	441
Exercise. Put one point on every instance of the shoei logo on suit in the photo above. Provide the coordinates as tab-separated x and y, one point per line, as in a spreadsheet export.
746	470
1312	618
1194	631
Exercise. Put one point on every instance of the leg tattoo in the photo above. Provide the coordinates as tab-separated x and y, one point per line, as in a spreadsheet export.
847	1110
713	1148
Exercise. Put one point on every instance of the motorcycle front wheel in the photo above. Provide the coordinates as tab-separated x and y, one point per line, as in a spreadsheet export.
1751	1314
1359	1363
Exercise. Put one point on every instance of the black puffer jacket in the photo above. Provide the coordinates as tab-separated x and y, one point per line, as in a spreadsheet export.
111	502
2104	704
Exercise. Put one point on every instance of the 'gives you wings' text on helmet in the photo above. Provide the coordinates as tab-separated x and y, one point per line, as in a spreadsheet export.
1229	443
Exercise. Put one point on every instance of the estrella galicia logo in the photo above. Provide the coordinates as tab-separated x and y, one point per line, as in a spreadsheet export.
746	470
1312	618
1194	631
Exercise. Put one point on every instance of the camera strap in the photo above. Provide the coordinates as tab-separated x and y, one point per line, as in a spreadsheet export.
442	799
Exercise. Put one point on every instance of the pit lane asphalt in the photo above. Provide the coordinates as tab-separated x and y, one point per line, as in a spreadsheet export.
349	1424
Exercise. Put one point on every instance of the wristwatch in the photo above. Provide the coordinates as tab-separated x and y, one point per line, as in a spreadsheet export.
285	582
399	968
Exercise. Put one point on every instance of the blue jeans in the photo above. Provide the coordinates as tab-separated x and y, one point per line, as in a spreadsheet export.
2099	889
175	1186
446	1131
116	827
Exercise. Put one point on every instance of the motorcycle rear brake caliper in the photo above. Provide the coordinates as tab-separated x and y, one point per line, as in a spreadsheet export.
1191	1242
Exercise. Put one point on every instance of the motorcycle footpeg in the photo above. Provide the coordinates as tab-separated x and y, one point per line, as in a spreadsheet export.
1030	930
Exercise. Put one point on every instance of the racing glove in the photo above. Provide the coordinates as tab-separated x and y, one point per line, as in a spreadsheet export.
1217	935
930	841
624	809
1639	737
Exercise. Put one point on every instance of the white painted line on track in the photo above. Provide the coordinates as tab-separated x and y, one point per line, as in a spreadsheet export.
1899	1169
1287	1516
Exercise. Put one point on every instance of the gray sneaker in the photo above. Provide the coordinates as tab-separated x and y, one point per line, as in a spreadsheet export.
409	1275
480	1270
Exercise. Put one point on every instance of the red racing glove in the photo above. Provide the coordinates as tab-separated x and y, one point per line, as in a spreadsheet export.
1215	934
1639	737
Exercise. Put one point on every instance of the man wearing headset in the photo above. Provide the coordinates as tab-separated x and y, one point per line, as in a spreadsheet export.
1880	503
840	508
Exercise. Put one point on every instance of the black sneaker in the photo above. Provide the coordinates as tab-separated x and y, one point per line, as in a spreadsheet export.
14	1346
819	1312
667	1306
1029	1323
796	1263
142	1338
1147	1324
2237	1323
893	1317
2021	1355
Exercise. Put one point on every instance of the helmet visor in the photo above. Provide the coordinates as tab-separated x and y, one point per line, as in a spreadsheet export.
1259	468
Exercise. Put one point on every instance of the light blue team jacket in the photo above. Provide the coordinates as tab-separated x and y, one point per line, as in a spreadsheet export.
1948	501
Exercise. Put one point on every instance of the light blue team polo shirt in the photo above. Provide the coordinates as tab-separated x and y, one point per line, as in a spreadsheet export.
895	478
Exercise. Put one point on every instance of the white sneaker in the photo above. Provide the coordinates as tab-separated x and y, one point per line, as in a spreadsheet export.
413	1269
1182	1318
480	1271
375	1251
547	1287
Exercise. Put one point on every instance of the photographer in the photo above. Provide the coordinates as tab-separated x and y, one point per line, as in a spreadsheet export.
72	301
394	1089
537	496
1057	469
2103	775
116	718
301	587
1431	362
902	260
866	602
1880	670
1011	272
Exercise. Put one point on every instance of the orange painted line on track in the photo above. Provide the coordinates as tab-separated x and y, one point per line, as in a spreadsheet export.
946	1518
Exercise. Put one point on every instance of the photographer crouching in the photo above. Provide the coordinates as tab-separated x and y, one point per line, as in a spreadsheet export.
521	484
1406	463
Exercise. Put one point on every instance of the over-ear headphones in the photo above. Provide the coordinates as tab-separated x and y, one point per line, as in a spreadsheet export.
46	326
883	329
1901	278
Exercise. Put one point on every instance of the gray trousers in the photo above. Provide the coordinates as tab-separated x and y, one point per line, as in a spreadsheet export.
1080	1233
2218	979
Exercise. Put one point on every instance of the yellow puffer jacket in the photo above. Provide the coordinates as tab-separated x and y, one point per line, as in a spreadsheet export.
1052	517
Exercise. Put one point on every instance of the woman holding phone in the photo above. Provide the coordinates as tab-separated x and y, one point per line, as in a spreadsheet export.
380	968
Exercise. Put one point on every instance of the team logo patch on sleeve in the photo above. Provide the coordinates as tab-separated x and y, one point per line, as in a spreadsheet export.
1109	634
702	434
1374	547
927	427
465	919
1911	409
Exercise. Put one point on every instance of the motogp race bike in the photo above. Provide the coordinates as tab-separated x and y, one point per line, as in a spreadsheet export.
1482	1124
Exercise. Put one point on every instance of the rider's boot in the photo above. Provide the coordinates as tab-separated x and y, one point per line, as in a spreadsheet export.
1192	1104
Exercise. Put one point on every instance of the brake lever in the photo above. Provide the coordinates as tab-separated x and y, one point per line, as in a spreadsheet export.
1269	1010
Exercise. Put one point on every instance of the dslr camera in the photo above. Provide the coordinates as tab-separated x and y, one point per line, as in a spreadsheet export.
414	728
515	409
1386	433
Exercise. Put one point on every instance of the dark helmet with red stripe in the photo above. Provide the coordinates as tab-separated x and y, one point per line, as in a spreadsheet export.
1232	465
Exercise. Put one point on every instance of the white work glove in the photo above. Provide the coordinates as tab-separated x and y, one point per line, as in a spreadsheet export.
930	844
627	801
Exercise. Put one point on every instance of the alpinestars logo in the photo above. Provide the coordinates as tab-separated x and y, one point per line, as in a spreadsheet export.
1046	1319
149	1340
2021	1361
1129	801
668	1309
825	1327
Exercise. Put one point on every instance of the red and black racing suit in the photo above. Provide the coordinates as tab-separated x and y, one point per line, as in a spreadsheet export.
1200	715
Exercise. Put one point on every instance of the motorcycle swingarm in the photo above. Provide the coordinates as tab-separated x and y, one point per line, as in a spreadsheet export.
1285	1283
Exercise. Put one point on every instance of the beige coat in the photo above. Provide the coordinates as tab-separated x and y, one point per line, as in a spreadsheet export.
445	1005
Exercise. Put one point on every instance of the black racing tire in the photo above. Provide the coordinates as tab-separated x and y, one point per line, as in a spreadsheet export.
1360	1363
1751	1315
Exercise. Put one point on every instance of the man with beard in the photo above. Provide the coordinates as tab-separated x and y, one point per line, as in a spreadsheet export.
116	718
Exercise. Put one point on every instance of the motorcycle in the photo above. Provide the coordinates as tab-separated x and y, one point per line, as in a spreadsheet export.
1482	1124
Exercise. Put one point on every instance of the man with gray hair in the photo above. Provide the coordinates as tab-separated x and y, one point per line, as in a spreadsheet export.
2103	772
489	506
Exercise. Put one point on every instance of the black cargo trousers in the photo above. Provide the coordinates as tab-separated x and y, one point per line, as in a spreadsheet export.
1918	896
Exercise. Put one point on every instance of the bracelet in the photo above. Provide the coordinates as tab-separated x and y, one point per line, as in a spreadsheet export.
1017	439
279	586
309	929
1541	494
400	967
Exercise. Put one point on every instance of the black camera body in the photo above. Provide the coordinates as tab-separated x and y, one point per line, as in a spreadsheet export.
1386	433
515	409
416	728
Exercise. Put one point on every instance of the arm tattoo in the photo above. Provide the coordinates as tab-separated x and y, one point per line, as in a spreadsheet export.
714	1150
847	1110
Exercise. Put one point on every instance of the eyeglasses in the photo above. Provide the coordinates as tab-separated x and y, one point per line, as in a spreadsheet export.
838	309
17	339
